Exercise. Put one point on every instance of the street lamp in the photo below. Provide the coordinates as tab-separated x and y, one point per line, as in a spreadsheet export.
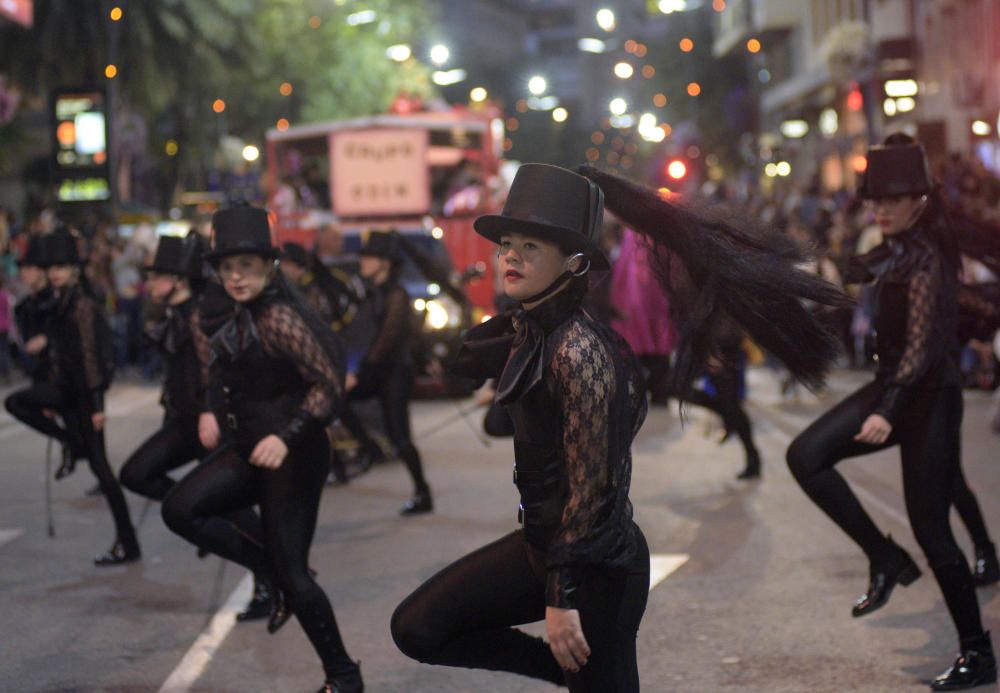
671	6
537	85
560	115
624	70
440	54
445	78
251	153
606	19
618	106
478	95
399	52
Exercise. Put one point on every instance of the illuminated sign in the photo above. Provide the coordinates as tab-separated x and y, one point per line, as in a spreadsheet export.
380	173
80	145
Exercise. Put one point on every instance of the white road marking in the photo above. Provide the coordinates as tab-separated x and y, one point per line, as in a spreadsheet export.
663	565
7	535
197	658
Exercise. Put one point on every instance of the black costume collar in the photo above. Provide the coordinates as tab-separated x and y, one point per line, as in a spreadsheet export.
553	311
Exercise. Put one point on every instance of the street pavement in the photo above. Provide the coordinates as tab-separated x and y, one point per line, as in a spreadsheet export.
761	600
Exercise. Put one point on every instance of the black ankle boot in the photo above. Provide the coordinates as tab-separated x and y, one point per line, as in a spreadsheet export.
349	682
752	469
900	569
280	612
67	464
986	571
121	552
419	504
975	666
259	605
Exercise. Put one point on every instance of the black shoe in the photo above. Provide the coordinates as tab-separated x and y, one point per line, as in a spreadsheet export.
280	612
201	553
900	569
419	504
68	463
975	666
987	569
752	469
119	554
344	683
259	605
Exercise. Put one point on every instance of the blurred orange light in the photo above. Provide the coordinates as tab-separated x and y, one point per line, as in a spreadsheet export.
855	101
597	138
630	46
859	163
718	5
613	158
522	106
218	105
648	71
676	169
110	71
626	162
315	21
116	14
285	89
687	45
593	154
753	45
641	50
100	157
666	129
66	133
660	100
513	124
694	89
508	144
282	124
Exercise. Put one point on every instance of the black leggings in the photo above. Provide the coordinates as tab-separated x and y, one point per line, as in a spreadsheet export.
726	403
204	509
28	406
393	389
174	445
463	617
929	434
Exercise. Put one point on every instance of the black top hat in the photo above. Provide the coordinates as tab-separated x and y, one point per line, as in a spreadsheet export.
385	244
174	255
34	254
895	170
241	230
60	248
552	204
295	252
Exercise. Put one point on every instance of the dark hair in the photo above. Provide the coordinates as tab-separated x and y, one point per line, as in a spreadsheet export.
718	266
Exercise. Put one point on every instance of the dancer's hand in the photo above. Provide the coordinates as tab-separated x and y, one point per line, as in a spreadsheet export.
36	344
208	430
350	382
269	452
566	640
875	430
98	419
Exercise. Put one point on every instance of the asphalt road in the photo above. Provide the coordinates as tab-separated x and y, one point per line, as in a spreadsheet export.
760	602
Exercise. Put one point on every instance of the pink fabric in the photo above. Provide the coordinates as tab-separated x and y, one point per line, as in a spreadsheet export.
644	312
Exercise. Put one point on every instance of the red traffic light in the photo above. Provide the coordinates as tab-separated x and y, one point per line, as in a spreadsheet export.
676	169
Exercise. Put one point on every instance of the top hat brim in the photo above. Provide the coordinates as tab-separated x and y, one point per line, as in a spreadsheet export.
493	226
213	258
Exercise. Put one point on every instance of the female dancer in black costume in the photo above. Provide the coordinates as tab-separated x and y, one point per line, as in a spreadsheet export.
576	399
915	401
78	345
276	367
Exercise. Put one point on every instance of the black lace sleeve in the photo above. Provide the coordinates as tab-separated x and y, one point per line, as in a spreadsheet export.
923	298
392	329
85	316
582	378
283	332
